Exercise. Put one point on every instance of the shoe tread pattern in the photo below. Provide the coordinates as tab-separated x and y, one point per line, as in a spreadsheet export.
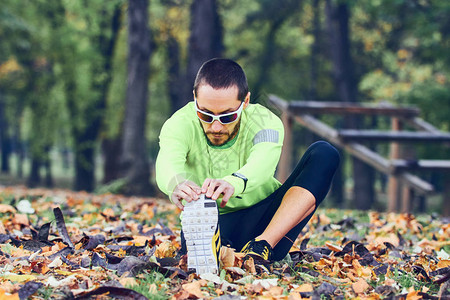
199	224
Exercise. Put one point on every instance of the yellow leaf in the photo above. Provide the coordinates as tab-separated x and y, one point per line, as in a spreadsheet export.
443	263
165	249
65	273
18	278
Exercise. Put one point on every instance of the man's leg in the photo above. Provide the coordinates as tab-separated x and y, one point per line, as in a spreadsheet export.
296	205
297	199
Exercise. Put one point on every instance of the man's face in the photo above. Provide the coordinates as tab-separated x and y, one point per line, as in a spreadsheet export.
218	102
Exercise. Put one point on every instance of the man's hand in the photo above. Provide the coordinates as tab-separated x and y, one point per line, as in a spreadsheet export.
213	188
186	190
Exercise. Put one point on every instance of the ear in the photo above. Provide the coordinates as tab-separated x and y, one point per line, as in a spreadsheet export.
247	100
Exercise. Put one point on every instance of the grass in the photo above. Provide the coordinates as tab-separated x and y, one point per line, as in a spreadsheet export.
152	285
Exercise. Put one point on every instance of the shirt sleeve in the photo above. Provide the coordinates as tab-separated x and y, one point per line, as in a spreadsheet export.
263	158
171	159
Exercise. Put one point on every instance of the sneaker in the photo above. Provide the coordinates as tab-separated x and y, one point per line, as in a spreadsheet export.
259	248
200	224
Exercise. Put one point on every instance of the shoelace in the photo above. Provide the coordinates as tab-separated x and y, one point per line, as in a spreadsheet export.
261	247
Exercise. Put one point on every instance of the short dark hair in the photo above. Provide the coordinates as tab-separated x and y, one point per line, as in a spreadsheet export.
222	73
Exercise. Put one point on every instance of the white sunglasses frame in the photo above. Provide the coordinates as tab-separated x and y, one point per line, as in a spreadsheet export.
217	117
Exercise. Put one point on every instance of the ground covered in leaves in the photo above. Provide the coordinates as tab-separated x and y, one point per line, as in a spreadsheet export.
63	245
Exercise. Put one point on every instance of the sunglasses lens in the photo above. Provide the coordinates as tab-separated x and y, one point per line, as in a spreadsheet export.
203	117
229	118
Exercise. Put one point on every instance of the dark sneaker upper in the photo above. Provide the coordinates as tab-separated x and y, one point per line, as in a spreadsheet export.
259	248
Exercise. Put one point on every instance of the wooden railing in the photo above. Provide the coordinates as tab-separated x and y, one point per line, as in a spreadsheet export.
402	184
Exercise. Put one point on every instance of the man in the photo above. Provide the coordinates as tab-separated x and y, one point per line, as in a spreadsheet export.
224	147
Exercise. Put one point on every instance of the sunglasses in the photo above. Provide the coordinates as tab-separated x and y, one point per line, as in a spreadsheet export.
226	118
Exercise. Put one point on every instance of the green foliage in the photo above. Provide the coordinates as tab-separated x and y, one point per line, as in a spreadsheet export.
52	56
152	285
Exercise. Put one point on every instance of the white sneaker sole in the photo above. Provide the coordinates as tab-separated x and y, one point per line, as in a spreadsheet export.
199	223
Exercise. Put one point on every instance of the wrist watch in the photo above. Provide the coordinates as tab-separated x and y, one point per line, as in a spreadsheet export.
239	175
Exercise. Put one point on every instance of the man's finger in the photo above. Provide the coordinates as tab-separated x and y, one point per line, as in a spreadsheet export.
212	186
194	186
187	193
178	204
218	191
206	185
226	196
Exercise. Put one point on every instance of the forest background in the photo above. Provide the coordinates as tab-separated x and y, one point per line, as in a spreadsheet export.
85	86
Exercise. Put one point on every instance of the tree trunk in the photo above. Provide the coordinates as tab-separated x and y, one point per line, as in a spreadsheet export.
134	162
205	41
346	83
34	179
174	78
5	141
111	154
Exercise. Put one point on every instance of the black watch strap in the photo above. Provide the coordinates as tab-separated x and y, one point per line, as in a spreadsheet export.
239	175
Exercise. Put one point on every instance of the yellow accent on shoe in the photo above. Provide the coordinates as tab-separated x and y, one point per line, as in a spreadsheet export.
260	248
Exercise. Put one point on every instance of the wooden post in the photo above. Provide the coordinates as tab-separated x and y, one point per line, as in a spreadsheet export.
407	197
394	183
285	165
446	196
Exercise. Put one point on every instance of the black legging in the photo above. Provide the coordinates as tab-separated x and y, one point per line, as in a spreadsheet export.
314	172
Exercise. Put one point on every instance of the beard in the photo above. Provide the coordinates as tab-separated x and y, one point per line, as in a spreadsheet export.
222	137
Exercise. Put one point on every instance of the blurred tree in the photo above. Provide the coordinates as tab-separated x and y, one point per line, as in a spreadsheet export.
102	22
338	16
205	42
134	161
274	14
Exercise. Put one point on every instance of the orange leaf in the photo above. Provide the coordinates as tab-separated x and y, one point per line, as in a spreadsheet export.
443	263
227	257
332	247
249	265
360	286
4	208
3	296
413	296
275	291
21	219
295	296
306	287
194	288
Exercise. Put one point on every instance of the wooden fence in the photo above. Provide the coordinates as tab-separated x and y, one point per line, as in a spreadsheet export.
403	185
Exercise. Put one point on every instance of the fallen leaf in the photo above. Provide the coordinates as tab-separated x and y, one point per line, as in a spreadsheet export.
360	286
18	278
4	208
194	288
443	263
332	247
306	287
249	265
4	296
21	219
165	249
413	296
227	257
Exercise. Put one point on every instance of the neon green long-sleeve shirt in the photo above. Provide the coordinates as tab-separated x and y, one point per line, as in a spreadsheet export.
186	154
